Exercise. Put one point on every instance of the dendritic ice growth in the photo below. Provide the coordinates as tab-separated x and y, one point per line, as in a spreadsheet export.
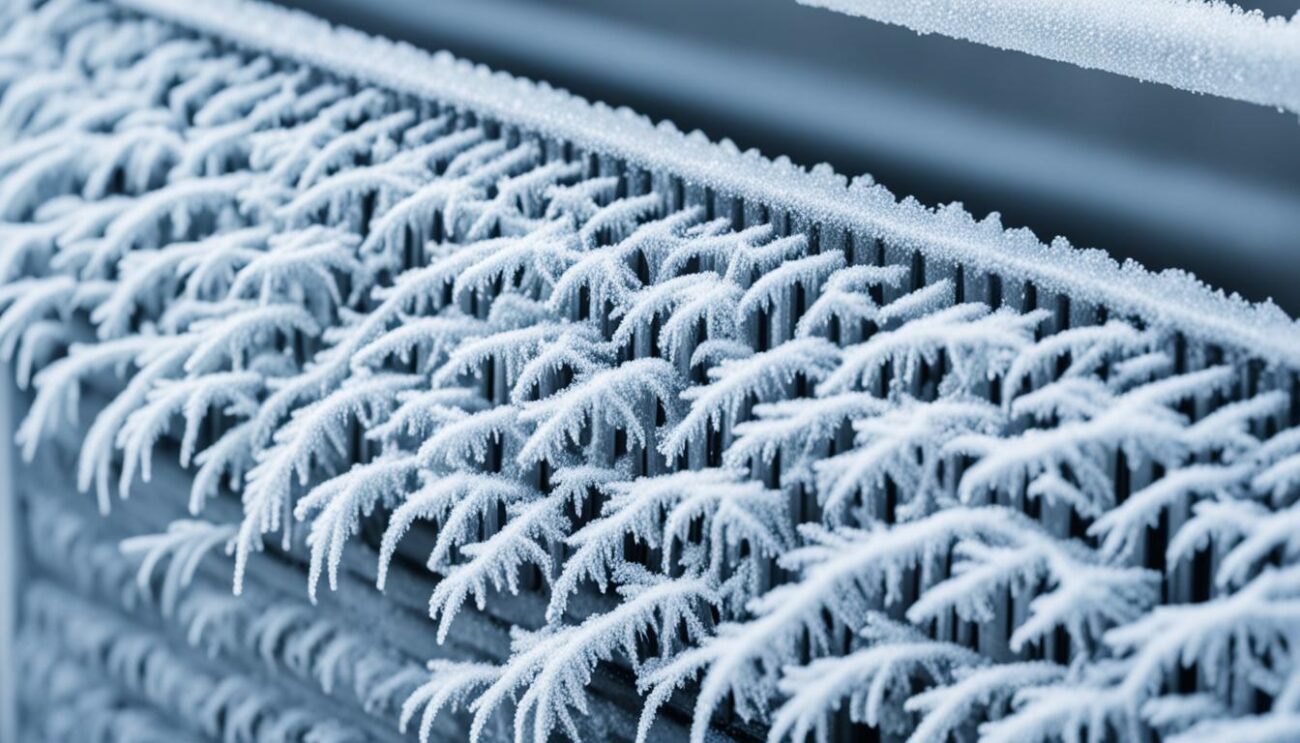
775	474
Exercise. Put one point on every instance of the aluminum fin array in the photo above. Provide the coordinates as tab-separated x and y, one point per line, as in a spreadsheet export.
657	457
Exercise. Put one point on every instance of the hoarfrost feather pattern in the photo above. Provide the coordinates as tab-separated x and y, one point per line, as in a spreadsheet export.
765	476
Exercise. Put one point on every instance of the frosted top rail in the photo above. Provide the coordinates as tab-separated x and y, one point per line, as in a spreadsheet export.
1203	47
947	234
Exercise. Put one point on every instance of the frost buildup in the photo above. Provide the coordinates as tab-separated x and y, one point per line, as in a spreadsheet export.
1205	46
779	473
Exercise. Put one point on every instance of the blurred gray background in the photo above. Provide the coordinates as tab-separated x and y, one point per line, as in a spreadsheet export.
1170	178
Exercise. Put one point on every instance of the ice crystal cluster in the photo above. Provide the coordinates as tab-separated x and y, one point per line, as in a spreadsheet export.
776	472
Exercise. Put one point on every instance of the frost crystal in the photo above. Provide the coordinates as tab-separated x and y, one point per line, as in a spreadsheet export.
764	468
1206	46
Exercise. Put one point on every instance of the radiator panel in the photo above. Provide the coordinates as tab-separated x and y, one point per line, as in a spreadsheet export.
423	319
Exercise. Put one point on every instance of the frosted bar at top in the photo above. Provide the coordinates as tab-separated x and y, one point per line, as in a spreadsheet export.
1213	48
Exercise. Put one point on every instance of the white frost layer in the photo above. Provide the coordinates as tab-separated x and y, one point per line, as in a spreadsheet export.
1206	47
947	235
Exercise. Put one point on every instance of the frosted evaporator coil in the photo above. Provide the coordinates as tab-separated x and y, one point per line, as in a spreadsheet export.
508	415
